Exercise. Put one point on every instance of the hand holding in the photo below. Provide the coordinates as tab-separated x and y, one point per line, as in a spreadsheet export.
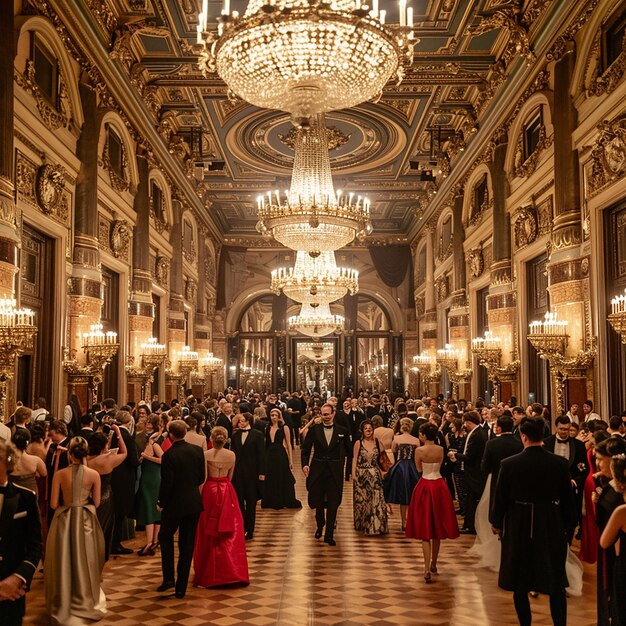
12	588
305	470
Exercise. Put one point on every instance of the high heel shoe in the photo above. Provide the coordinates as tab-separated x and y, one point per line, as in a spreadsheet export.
433	569
427	578
145	550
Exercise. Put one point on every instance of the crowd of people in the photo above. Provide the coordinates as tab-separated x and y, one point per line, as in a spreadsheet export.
78	487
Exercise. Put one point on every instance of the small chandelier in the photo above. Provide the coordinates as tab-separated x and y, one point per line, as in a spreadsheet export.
311	216
316	321
306	56
315	279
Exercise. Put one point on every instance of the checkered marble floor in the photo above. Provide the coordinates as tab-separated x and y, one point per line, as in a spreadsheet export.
297	580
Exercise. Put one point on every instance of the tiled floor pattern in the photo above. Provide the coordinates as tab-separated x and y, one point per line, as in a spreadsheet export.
299	581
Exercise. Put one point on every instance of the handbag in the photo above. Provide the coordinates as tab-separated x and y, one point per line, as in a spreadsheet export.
384	462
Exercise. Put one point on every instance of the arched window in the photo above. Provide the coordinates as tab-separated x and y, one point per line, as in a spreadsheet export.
445	238
46	69
157	202
613	38
480	198
420	269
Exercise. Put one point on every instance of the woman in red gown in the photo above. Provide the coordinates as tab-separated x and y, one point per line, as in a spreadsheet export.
220	552
431	515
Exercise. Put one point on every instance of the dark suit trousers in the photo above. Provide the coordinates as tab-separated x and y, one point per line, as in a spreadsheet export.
186	527
248	496
327	515
12	612
472	499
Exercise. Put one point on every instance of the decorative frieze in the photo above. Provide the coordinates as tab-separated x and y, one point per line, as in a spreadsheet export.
608	155
525	226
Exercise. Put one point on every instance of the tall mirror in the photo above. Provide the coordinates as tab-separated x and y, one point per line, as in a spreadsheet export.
373	363
255	364
315	365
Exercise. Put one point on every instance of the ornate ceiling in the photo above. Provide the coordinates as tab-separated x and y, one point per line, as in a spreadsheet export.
385	149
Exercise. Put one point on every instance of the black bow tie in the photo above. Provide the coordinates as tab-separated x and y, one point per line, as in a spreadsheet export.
328	427
562	440
245	430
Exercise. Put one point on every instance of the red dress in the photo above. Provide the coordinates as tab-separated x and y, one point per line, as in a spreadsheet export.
219	556
590	533
431	511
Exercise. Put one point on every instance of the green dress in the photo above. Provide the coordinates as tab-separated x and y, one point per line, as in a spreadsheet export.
148	493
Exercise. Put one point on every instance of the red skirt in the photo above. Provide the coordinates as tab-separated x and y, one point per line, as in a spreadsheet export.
219	556
431	512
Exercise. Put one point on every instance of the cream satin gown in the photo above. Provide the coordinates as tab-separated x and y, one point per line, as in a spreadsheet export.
74	560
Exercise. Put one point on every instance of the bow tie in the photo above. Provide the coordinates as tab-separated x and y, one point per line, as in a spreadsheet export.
328	427
245	430
563	441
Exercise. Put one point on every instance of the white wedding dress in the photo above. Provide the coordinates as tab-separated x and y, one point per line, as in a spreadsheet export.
487	547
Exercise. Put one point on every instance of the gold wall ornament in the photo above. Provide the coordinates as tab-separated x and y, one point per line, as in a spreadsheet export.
476	261
119	180
442	287
606	82
608	155
191	290
525	227
512	21
49	187
119	238
161	270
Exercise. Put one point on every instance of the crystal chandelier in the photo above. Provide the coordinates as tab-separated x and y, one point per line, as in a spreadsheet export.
315	279
316	321
306	56
311	216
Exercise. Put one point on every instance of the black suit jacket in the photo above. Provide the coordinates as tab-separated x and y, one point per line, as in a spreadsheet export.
496	450
533	507
124	475
327	465
250	461
225	422
182	473
578	464
52	463
472	459
85	433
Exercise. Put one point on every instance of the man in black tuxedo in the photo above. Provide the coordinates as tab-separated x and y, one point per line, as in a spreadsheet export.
123	482
350	417
56	457
182	473
532	508
330	444
225	418
574	452
20	541
503	446
86	426
471	457
247	444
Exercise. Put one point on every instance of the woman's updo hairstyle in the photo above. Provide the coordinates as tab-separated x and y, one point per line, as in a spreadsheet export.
406	425
21	439
429	431
78	448
219	436
618	469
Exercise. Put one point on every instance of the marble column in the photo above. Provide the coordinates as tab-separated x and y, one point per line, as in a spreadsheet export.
428	321
140	306
9	237
202	320
85	285
458	317
568	270
176	313
501	301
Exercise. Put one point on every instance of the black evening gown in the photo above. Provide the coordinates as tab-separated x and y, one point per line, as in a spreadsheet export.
619	583
106	513
279	485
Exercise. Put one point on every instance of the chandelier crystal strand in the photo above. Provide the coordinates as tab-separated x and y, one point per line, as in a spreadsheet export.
311	216
316	321
315	279
306	57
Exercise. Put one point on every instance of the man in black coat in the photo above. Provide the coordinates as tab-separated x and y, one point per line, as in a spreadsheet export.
533	504
123	482
56	457
182	473
471	457
20	541
86	427
247	444
225	418
574	452
330	444
503	446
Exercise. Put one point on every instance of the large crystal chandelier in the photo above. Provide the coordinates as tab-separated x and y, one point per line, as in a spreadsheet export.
311	216
316	321
306	56
315	279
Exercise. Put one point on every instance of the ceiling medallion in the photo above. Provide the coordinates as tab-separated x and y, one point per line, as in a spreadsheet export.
336	138
311	216
315	280
316	321
306	56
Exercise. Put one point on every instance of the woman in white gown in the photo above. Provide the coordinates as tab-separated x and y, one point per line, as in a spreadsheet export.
487	547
